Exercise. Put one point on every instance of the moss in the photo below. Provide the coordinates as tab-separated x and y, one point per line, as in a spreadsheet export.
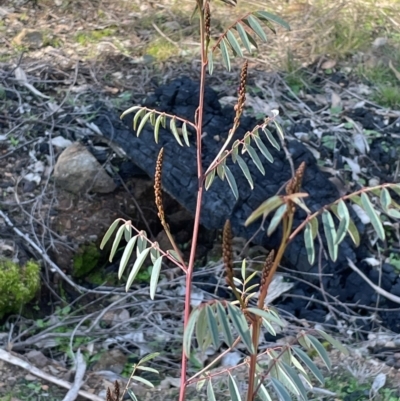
86	259
18	285
94	36
161	50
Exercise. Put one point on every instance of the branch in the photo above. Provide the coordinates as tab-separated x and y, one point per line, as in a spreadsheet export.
379	290
6	356
80	363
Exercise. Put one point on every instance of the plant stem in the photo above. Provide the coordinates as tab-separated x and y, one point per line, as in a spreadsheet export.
253	358
200	176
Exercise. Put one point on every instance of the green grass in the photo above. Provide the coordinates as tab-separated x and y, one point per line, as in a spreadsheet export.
161	50
86	37
348	388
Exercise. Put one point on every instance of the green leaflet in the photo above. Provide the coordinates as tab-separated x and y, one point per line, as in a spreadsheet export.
309	243
344	217
155	274
210	391
209	179
231	181
126	256
233	389
265	208
375	220
187	335
330	233
243	36
116	242
225	55
278	216
256	160
213	326
174	130
240	324
136	267
210	63
234	43
257	28
242	164
109	233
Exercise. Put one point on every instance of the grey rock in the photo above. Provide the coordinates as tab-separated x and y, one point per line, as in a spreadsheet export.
37	358
78	171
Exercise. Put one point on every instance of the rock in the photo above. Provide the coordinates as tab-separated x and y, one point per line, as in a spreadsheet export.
37	358
78	171
113	360
29	38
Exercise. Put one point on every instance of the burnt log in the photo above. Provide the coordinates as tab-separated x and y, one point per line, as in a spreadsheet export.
180	97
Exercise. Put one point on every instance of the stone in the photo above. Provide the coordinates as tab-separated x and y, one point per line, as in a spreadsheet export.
29	38
113	360
78	171
37	358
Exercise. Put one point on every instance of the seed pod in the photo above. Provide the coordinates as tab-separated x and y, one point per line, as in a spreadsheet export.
227	252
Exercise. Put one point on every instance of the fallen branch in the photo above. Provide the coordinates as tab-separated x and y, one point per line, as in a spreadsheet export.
80	364
6	356
379	290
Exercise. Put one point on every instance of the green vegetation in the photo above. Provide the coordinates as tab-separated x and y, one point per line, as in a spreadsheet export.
86	37
388	96
85	260
18	285
348	388
161	49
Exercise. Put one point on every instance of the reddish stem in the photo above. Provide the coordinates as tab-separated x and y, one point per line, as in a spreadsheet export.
200	176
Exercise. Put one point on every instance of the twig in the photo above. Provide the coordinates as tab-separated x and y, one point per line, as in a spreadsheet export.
6	356
379	290
165	36
80	363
